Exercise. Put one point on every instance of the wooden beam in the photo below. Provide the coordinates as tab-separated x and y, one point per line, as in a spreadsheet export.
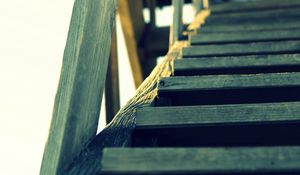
243	49
215	82
237	65
250	27
222	160
229	89
132	21
152	5
112	94
177	24
245	37
234	7
78	99
218	115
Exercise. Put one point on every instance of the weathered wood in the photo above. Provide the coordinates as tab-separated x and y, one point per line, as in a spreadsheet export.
210	82
119	131
254	6
218	115
133	26
176	28
229	89
78	99
253	16
112	94
242	37
243	49
201	160
237	65
250	27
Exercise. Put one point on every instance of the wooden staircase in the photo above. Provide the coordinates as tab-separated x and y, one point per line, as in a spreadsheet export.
232	105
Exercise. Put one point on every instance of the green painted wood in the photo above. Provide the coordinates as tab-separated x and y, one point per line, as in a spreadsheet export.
242	49
78	99
253	6
237	65
251	15
250	27
218	115
177	25
243	37
215	82
269	17
201	160
228	89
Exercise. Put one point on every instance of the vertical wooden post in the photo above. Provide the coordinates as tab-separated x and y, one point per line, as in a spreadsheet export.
112	95
152	5
177	26
133	25
78	99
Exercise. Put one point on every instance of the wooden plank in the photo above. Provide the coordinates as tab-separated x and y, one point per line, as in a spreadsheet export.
242	37
279	47
201	160
229	89
151	4
218	115
250	27
253	16
214	82
77	103
254	6
133	26
254	20
237	65
112	94
177	25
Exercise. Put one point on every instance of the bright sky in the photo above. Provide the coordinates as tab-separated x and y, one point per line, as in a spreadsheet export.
33	35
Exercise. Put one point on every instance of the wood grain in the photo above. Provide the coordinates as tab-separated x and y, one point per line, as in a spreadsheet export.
78	99
218	115
201	160
242	37
237	65
242	49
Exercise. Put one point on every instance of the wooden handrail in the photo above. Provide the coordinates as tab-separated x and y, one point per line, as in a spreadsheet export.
77	103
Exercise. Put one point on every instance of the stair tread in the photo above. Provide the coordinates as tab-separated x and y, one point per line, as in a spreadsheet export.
201	160
218	115
237	64
219	38
214	82
250	26
234	7
242	49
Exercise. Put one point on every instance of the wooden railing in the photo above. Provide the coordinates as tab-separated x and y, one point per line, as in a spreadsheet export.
78	99
72	136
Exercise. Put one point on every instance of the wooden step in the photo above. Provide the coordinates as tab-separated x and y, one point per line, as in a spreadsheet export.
218	115
237	65
264	18
219	125
259	6
258	160
242	37
243	49
226	89
250	27
252	15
